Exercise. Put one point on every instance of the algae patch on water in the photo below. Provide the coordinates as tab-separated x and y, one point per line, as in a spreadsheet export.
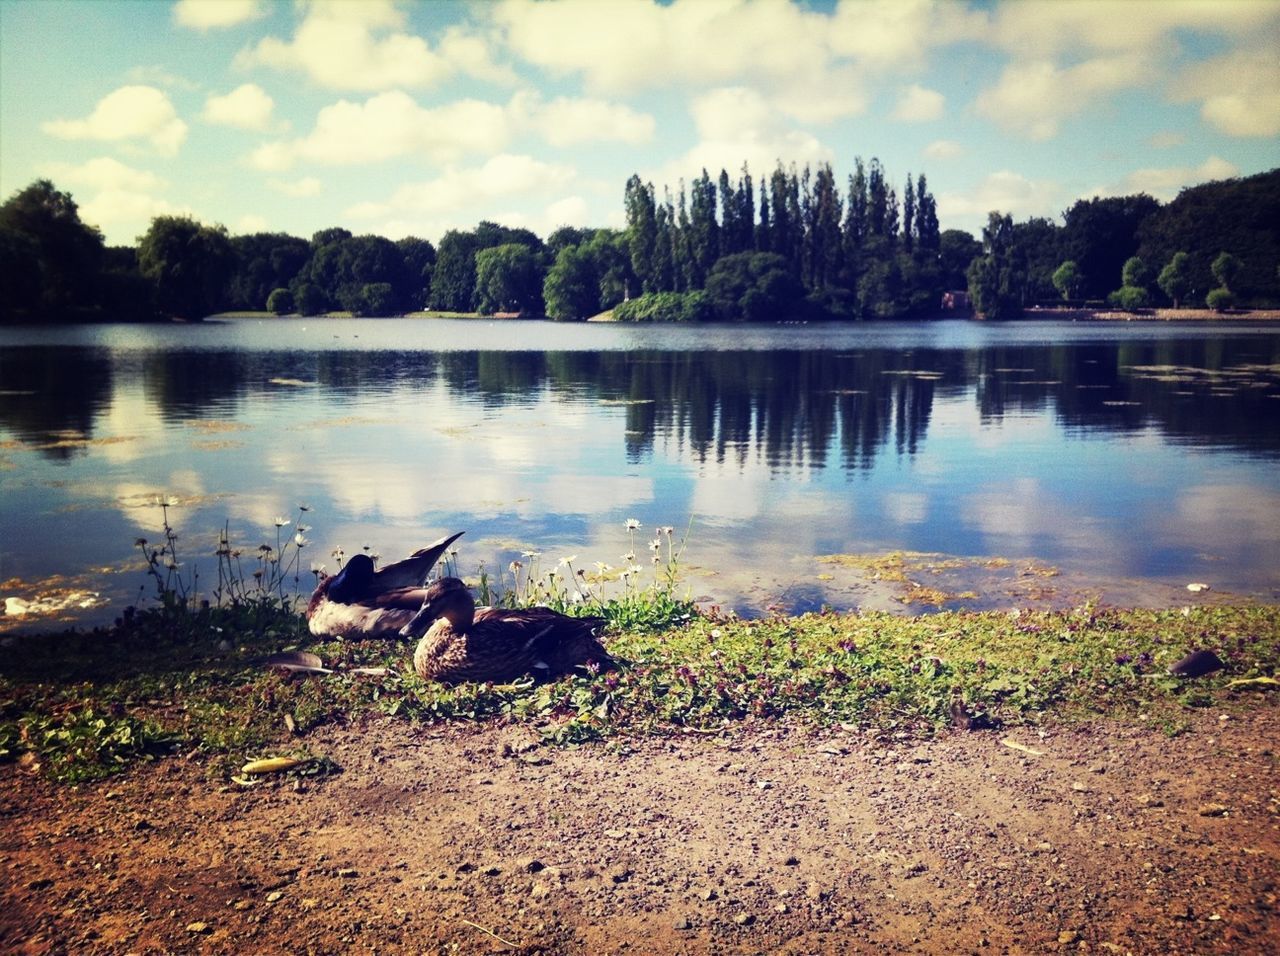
935	580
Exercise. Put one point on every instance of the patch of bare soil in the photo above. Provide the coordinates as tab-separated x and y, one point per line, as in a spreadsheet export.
461	840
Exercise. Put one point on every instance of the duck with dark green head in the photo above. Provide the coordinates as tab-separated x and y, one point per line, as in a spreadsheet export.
362	601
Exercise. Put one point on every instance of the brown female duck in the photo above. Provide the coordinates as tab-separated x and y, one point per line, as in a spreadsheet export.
359	601
498	644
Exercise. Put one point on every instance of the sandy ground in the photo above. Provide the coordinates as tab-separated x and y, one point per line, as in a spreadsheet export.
760	840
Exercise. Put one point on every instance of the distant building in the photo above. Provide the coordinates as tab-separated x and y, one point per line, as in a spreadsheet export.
957	302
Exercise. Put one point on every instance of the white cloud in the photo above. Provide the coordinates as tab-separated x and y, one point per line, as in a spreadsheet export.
363	46
1050	27
1033	98
209	14
251	222
392	124
1166	182
736	125
1004	191
129	113
898	34
298	188
944	149
919	105
779	49
501	177
118	199
124	214
568	122
105	173
1066	56
247	107
1239	92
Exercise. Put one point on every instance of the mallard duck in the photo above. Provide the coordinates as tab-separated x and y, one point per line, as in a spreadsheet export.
498	644
362	602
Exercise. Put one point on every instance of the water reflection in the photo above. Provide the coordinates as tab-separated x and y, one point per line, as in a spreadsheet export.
791	408
1067	452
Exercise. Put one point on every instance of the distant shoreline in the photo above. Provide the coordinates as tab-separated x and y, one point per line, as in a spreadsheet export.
1072	315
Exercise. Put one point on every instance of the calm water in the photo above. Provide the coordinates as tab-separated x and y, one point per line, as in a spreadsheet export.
1134	458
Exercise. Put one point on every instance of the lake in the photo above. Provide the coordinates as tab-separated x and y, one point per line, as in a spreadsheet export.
1012	464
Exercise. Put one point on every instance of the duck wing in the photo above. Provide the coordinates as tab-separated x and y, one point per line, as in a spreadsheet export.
412	571
543	641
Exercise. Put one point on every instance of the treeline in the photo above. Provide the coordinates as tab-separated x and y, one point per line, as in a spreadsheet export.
1216	244
794	244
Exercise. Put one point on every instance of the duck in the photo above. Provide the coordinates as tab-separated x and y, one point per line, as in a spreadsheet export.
462	643
361	601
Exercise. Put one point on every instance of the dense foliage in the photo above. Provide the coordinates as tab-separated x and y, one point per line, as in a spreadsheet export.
792	244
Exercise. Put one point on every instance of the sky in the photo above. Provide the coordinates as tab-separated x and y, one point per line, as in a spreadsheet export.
411	118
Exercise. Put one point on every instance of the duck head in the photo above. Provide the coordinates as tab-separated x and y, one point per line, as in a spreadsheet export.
353	581
447	598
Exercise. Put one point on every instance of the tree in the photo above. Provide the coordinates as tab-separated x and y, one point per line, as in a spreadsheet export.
957	249
1132	293
1175	278
993	277
508	279
189	264
1225	269
752	286
419	262
642	231
453	281
572	288
280	301
264	261
50	261
1066	279
1100	234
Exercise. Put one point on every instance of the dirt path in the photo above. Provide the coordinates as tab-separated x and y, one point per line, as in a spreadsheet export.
775	841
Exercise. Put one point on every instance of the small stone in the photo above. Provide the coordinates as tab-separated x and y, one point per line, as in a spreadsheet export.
791	861
274	896
619	874
198	927
744	919
241	905
1068	936
1212	810
1079	787
682	924
615	834
531	865
764	784
782	908
708	894
347	873
491	871
1148	800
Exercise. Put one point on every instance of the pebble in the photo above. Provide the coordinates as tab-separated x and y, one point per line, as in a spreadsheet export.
682	923
744	919
274	896
1212	810
1068	936
198	927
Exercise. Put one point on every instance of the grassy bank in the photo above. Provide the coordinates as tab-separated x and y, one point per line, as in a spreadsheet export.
166	681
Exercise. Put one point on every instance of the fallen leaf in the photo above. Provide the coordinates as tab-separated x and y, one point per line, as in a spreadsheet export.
1023	748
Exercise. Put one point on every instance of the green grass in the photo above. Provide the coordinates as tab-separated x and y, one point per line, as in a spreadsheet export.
161	681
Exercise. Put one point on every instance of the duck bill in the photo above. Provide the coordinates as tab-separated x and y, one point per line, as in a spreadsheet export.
419	623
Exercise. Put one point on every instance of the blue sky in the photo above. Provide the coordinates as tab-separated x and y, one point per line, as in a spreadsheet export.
412	118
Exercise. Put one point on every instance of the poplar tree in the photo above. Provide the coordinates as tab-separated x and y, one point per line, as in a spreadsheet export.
909	215
642	231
